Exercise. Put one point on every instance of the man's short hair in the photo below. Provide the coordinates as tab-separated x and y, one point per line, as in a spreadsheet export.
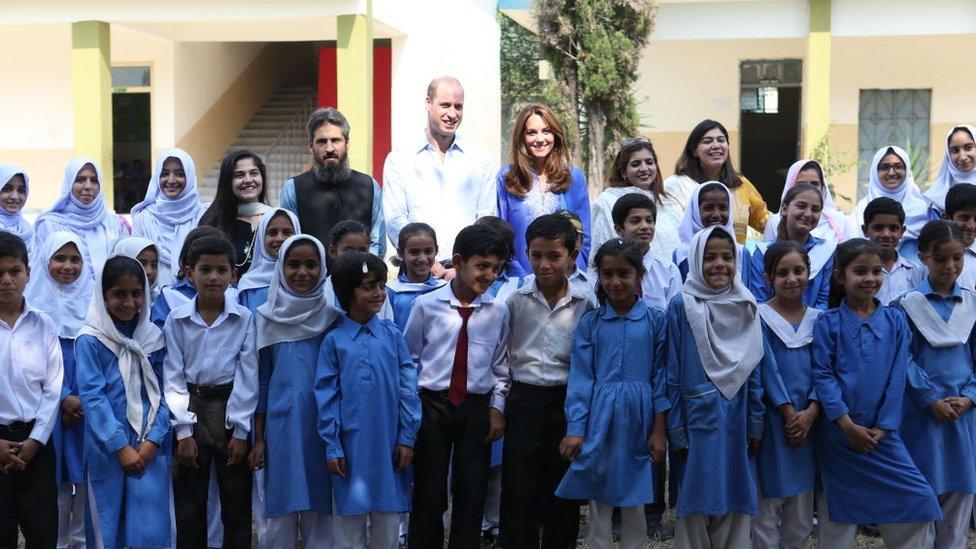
432	87
327	115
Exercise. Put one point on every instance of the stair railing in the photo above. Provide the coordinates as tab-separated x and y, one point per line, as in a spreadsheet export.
288	156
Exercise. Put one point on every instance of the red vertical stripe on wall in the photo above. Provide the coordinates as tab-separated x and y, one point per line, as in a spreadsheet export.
328	92
382	97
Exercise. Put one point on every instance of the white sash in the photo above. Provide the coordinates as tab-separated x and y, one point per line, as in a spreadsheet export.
935	330
793	339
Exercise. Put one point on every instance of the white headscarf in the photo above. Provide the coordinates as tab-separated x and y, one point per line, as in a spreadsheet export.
133	354
907	194
166	221
288	316
14	223
132	246
949	174
725	323
262	264
98	225
691	223
66	304
832	221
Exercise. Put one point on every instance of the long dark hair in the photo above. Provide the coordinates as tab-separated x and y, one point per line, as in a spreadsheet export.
616	176
223	210
688	164
843	256
518	178
622	247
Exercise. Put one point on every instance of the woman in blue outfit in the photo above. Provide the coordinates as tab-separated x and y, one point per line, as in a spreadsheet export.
715	360
417	248
785	467
615	401
290	327
799	215
277	225
939	427
540	181
860	357
119	355
369	408
58	288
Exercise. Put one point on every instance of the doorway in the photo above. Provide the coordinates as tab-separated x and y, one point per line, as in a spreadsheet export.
769	106
131	135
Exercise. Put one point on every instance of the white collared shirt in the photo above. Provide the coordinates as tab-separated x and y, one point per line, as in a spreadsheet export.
211	355
904	276
967	278
446	194
661	282
31	372
541	340
432	333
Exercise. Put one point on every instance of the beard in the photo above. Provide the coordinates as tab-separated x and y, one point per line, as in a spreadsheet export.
332	175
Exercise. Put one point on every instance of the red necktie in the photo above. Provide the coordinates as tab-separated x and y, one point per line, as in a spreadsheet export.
459	372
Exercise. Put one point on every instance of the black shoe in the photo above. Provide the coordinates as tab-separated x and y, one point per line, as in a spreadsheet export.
489	538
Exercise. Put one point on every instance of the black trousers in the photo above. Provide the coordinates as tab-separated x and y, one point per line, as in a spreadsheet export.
190	486
445	429
29	498
532	469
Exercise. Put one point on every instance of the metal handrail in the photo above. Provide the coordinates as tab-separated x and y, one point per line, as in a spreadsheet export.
287	155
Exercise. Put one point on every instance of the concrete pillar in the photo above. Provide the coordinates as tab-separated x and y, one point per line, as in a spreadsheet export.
817	105
354	68
92	86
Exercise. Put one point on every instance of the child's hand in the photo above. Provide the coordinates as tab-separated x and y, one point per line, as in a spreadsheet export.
657	446
186	453
496	422
8	456
755	444
943	411
147	451
799	429
569	447
860	438
788	413
28	449
236	450
130	460
877	434
960	404
255	459
338	467
402	456
71	412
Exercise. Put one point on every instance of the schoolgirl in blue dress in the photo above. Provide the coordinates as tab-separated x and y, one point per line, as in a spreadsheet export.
711	204
786	469
799	215
417	247
939	427
715	358
119	358
860	358
277	225
615	401
290	327
59	289
369	408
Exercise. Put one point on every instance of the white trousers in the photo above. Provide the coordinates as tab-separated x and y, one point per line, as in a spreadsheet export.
953	530
783	523
71	515
257	509
350	531
729	531
282	532
633	528
903	535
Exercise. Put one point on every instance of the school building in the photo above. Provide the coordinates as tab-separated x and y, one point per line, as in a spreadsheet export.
120	81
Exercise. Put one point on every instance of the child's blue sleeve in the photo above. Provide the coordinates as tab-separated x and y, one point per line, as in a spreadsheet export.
160	310
677	424
161	426
823	354
409	402
265	369
99	418
582	376
889	415
757	410
327	398
772	381
659	381
969	388
755	277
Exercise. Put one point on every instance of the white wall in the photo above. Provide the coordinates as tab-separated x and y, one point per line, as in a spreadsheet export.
744	19
902	17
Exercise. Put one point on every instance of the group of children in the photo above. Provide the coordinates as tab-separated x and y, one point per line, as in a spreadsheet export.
329	402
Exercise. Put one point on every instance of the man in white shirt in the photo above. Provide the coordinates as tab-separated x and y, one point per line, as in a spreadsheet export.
444	180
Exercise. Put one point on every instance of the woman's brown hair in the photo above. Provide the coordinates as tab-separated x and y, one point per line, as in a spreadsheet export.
615	178
688	164
518	179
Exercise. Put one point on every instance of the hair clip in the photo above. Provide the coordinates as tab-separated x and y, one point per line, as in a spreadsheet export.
365	268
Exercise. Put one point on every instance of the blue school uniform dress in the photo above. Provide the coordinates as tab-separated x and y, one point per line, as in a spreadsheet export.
141	517
816	295
366	390
784	471
69	442
616	386
401	294
944	452
718	476
859	369
296	477
252	298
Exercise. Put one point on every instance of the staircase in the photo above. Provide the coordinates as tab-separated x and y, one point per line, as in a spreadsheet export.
276	133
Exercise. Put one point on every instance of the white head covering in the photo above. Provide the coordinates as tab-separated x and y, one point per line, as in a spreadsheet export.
262	264
132	246
288	316
166	221
908	194
691	223
133	354
830	217
66	304
725	323
14	223
949	174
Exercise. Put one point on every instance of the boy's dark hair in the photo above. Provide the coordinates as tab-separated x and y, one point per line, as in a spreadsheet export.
552	227
119	266
883	206
347	274
618	247
778	250
937	232
843	256
501	227
415	229
631	201
481	240
211	245
191	237
13	246
961	196
348	226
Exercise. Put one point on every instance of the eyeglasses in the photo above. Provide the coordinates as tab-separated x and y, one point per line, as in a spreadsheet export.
885	168
632	140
